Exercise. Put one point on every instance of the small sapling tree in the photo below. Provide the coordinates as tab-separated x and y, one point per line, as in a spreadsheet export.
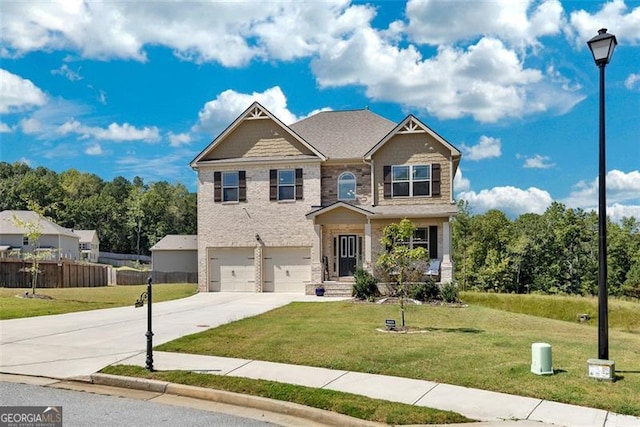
400	263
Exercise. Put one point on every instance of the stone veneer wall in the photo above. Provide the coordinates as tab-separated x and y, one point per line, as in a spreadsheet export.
330	174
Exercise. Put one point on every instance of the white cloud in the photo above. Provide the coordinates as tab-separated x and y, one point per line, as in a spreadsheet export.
621	187
633	81
613	15
176	140
30	126
486	148
67	72
4	128
486	80
113	132
617	211
439	22
218	113
231	33
461	183
18	93
538	161
94	149
513	201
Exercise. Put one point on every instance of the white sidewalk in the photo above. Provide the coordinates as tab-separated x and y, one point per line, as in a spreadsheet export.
476	404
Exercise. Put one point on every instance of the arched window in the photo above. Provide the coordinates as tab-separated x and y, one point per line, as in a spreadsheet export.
347	186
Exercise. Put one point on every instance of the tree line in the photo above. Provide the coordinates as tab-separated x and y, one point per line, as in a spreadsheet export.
129	216
554	252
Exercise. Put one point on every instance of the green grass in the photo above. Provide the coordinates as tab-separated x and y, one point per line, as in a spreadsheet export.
475	346
624	315
69	300
344	403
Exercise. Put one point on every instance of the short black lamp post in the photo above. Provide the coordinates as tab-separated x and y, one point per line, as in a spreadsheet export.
602	47
146	296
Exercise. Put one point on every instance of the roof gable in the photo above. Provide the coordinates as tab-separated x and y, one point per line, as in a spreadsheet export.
87	235
251	116
411	125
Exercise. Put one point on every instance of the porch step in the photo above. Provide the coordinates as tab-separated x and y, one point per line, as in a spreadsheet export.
338	289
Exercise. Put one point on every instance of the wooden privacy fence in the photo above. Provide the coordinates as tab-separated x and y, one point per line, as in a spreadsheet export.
53	275
127	277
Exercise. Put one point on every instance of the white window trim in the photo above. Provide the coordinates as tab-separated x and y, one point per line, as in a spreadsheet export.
341	178
293	185
225	187
411	180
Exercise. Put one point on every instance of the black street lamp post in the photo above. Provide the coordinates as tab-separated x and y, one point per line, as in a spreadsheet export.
602	47
147	296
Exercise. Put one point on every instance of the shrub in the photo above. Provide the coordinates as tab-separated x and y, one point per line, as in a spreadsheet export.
449	292
425	291
366	285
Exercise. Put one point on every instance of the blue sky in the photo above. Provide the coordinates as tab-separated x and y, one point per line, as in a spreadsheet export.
140	88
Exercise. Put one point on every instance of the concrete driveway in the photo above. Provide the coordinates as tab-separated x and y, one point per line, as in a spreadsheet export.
79	344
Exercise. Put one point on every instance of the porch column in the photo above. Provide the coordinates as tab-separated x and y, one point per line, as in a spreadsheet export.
316	255
367	246
446	271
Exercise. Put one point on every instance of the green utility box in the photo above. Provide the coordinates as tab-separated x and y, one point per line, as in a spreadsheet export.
541	359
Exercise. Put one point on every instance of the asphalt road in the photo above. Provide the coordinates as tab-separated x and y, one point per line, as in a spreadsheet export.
86	409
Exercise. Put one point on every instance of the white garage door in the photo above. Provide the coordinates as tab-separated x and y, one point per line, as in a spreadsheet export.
231	270
286	269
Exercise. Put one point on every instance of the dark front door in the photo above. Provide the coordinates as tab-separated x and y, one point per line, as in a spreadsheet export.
347	255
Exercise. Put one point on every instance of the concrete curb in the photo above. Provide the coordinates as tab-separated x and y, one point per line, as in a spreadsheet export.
244	400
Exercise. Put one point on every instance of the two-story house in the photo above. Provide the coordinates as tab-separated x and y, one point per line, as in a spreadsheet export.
284	208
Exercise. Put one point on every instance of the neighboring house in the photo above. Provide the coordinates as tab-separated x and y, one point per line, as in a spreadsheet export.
59	242
281	207
175	253
89	245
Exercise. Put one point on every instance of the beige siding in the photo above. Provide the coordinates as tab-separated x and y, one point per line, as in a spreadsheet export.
174	261
413	149
279	224
258	138
330	175
341	216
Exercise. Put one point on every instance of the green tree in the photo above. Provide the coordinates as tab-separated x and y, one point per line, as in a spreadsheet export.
33	232
399	261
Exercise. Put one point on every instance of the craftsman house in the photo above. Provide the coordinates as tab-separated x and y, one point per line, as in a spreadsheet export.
284	208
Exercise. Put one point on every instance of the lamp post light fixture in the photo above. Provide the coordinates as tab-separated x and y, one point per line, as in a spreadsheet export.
602	47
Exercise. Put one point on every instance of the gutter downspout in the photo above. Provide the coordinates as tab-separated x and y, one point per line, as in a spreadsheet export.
451	180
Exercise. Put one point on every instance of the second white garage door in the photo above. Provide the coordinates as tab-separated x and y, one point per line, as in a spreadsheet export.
232	270
286	269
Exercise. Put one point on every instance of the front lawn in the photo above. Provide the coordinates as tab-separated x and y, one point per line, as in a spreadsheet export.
475	346
69	300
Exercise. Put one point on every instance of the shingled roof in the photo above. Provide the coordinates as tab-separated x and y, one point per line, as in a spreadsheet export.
46	227
343	134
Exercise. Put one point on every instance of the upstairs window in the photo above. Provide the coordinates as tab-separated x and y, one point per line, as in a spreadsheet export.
285	184
411	180
347	186
230	186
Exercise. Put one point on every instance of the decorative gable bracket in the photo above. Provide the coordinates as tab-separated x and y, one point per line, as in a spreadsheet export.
411	126
256	113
